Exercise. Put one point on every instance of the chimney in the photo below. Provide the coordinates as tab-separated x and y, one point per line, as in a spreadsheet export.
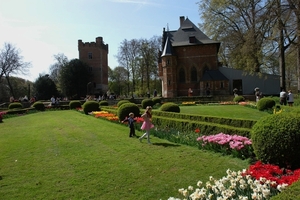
181	19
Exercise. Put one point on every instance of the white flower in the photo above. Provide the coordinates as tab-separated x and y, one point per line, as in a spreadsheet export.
199	183
190	188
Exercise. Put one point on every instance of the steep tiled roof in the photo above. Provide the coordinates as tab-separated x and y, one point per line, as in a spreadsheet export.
187	30
167	51
213	75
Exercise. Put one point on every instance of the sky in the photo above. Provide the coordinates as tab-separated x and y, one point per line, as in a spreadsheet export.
41	29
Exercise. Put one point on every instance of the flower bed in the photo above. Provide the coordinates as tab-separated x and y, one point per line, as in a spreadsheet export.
235	145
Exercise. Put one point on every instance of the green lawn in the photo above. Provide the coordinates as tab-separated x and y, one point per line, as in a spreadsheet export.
69	155
230	111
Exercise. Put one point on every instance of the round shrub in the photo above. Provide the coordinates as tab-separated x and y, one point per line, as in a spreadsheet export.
15	105
147	102
170	107
156	100
90	106
38	106
238	99
276	139
122	102
265	103
103	103
126	108
75	104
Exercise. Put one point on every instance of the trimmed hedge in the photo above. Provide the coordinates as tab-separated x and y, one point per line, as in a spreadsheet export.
75	104
90	106
170	107
147	102
265	103
38	105
126	108
122	102
15	105
103	103
276	138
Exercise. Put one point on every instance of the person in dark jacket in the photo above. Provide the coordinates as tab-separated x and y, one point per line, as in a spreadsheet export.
130	121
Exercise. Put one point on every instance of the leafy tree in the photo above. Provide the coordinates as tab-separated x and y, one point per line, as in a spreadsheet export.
11	62
45	87
55	69
241	26
117	80
74	78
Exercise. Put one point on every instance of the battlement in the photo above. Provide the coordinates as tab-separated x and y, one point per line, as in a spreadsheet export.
99	43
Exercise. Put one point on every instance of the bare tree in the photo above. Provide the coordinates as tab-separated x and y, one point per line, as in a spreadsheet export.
128	55
11	63
61	61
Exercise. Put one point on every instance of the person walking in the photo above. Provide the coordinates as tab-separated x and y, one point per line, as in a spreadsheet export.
290	98
147	124
283	97
130	121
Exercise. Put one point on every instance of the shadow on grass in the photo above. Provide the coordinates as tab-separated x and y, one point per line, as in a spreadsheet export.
166	144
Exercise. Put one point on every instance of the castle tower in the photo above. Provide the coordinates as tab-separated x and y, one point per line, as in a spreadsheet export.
95	54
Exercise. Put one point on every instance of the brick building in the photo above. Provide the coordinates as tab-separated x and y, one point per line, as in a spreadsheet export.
95	54
189	59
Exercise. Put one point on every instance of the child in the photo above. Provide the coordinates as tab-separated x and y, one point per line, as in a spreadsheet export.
130	121
147	124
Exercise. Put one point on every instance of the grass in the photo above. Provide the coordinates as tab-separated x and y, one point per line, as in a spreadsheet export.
228	111
69	155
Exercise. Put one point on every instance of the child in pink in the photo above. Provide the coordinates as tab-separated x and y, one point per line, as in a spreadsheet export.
147	124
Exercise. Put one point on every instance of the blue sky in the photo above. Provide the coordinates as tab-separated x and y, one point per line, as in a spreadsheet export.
43	28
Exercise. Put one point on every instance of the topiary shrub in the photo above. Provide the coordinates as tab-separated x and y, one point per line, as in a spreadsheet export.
126	108
74	104
38	106
15	105
170	107
147	102
265	103
238	99
122	102
90	106
276	139
103	103
156	100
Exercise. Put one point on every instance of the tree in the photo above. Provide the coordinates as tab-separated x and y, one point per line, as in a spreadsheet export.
74	78
117	80
44	87
128	55
11	62
61	61
241	26
295	6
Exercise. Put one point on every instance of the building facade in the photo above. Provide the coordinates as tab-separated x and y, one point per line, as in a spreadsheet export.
189	61
95	54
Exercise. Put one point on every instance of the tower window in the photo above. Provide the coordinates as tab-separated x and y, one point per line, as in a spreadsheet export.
90	55
181	75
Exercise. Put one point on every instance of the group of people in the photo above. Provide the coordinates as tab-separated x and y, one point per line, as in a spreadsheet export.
146	126
286	97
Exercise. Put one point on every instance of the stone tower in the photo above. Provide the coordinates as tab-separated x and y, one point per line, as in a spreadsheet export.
95	54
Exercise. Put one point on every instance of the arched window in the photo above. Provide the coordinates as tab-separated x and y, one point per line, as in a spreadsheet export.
181	75
194	74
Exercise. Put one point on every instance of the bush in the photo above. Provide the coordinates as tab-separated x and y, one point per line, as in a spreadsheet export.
147	102
265	103
126	108
238	99
103	103
276	139
156	100
15	105
122	102
90	106
38	106
75	104
170	107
